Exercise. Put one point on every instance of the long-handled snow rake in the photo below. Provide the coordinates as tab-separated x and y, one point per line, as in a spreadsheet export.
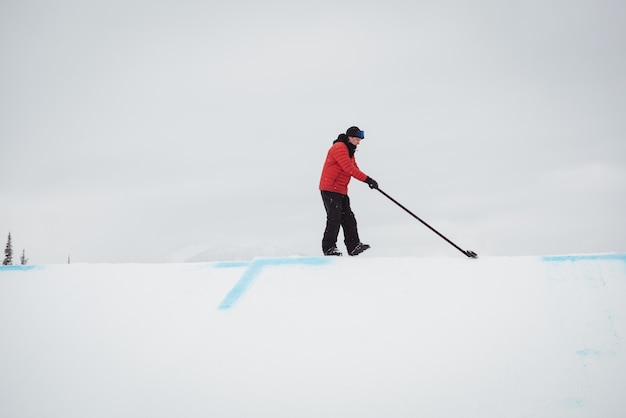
469	253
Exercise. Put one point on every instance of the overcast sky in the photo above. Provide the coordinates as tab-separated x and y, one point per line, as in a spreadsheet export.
150	131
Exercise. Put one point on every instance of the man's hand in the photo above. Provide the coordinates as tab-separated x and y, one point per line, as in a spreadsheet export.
372	183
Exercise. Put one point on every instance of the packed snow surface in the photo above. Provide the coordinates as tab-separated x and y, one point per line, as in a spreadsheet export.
316	337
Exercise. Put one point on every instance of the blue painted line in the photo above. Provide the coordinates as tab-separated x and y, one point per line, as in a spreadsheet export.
241	286
18	268
584	257
256	267
588	352
231	264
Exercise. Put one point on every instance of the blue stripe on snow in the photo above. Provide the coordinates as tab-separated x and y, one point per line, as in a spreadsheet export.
18	268
572	258
231	264
256	267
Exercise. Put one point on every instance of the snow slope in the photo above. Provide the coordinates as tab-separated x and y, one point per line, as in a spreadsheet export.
316	337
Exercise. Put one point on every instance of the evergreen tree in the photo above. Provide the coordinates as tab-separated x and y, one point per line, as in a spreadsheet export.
23	259
8	253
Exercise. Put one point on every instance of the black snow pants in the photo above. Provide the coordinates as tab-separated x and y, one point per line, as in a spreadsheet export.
339	214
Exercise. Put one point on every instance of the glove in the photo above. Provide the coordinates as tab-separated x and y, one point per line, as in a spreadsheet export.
371	182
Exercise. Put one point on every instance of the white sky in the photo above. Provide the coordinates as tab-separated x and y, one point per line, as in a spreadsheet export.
150	131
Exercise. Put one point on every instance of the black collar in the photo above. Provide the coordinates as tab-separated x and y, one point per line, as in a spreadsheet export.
344	138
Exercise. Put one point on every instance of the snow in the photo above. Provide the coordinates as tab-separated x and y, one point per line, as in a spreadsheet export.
316	337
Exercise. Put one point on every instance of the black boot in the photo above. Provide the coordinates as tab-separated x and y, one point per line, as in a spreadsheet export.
333	251
360	247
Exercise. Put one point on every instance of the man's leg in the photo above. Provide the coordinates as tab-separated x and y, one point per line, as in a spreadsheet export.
333	204
348	223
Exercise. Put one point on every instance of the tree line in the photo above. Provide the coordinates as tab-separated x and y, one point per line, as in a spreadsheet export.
8	254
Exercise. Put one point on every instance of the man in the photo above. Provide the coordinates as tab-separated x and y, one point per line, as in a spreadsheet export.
339	168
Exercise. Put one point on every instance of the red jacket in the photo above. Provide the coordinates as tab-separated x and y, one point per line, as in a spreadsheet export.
339	168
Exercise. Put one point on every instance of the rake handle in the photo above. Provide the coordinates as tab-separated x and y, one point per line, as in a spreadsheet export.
468	253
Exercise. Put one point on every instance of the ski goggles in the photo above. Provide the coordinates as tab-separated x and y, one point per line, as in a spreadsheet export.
360	134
